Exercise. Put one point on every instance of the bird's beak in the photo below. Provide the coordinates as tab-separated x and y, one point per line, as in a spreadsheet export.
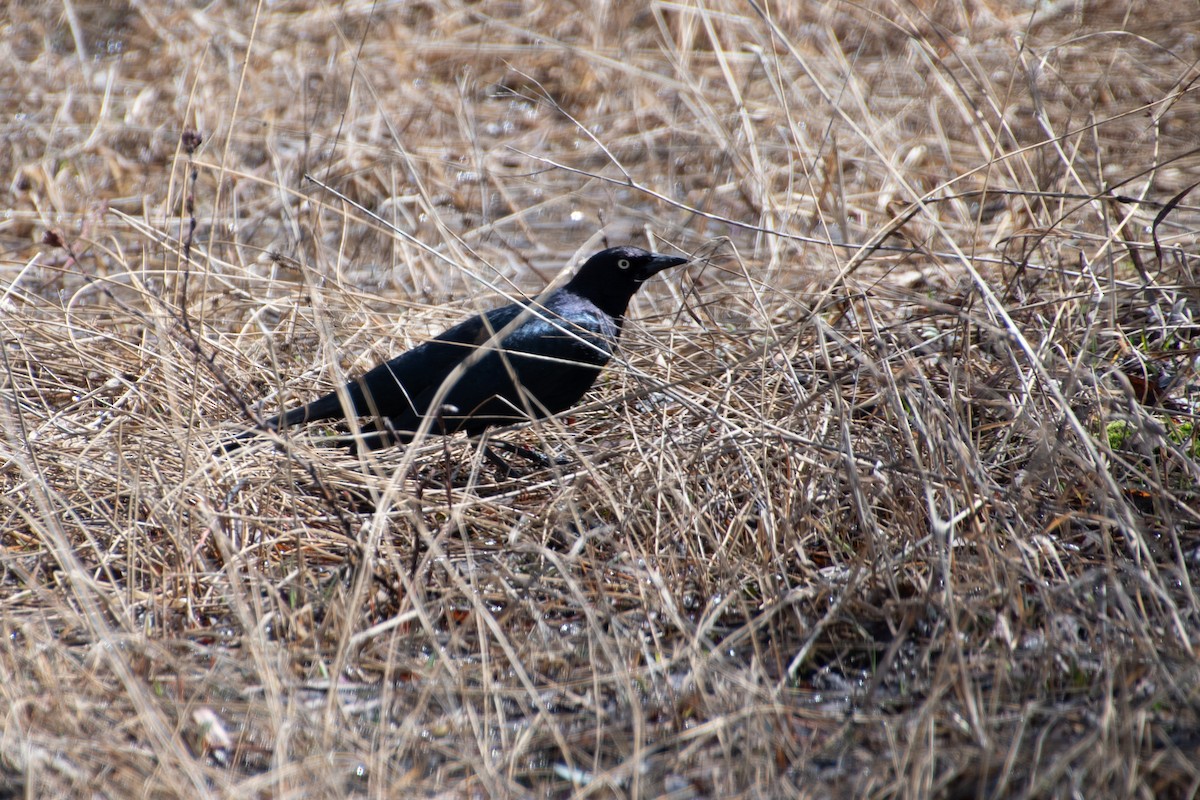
659	262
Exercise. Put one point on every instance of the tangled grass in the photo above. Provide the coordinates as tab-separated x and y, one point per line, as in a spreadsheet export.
893	492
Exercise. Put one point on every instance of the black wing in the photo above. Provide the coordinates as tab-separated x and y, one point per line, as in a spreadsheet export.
544	366
391	389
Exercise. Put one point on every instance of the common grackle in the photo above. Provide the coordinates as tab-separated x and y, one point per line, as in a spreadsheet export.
525	360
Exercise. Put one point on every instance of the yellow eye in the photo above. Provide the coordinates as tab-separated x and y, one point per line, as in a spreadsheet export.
623	263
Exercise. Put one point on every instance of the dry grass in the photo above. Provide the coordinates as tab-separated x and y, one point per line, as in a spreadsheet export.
908	521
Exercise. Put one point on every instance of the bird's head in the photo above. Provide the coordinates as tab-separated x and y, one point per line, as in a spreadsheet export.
611	277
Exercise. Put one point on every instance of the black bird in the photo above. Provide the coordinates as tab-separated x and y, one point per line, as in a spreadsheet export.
525	360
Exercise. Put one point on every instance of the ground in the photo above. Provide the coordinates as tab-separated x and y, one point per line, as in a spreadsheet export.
892	492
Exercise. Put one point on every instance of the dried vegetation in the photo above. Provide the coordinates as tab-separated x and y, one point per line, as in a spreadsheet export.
894	493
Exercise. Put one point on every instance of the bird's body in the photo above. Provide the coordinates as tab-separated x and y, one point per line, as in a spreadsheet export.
521	361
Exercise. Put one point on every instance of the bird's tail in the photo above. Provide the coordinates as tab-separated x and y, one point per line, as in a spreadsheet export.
327	407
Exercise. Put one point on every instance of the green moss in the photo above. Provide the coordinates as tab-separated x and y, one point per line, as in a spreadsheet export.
1118	434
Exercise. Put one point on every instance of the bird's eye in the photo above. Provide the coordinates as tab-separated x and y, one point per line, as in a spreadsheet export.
623	263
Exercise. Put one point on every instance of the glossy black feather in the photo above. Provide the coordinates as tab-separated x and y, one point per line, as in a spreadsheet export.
524	360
